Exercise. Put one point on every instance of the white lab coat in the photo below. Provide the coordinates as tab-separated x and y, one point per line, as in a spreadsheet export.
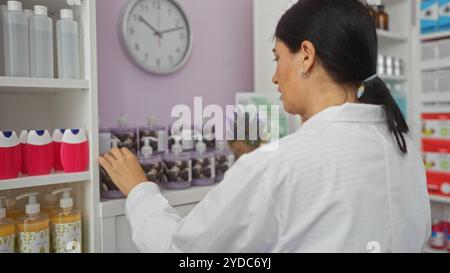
339	184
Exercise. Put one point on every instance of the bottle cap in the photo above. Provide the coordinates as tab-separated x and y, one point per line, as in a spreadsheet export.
28	13
33	207
177	148
66	202
40	10
66	14
147	150
14	6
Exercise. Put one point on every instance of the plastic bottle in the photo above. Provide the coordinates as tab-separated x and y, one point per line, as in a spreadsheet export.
3	8
158	134
177	168
438	240
57	139
16	41
33	228
39	153
224	159
203	166
10	155
150	162
41	44
50	205
66	225
382	18
12	210
7	231
74	151
68	46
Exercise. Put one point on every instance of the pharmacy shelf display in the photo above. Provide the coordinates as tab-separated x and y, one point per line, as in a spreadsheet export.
36	103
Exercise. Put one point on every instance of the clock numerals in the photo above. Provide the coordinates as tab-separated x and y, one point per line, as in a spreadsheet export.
157	5
131	30
137	47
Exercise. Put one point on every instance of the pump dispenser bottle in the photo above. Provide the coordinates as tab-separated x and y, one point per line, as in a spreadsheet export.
177	168
66	225
150	162
224	159
7	231
12	210
158	134
203	166
33	228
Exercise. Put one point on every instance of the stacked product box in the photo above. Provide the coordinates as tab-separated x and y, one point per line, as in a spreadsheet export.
436	152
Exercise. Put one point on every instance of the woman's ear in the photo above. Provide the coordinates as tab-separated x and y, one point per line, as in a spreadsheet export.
308	57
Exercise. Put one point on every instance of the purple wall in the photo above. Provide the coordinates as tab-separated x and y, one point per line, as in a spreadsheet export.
221	63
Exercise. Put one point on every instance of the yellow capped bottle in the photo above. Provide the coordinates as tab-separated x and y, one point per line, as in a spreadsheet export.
33	228
66	225
7	231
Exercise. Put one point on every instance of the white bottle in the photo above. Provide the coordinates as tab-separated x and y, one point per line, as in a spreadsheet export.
15	36
41	44
3	8
68	46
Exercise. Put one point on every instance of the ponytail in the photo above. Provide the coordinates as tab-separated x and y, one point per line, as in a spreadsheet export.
376	92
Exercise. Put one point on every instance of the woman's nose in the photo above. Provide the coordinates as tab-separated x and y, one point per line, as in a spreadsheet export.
274	79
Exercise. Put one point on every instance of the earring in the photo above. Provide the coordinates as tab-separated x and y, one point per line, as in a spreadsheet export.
304	74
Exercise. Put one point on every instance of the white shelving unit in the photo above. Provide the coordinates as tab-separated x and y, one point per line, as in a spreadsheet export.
29	103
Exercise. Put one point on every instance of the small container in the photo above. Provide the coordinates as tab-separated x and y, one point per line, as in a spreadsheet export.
75	151
381	65
126	136
3	8
224	159
109	190
23	138
186	136
41	44
7	231
150	162
389	66
68	46
57	138
39	153
10	155
203	166
177	168
16	41
438	237
158	134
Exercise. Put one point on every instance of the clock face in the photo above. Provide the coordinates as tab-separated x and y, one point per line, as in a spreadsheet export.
157	35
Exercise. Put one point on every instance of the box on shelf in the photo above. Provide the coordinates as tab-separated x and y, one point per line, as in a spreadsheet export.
429	16
436	156
438	184
436	126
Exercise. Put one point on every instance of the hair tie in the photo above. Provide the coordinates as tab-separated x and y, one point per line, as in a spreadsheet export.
371	78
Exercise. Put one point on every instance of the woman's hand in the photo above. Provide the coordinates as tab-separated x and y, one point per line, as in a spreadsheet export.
124	169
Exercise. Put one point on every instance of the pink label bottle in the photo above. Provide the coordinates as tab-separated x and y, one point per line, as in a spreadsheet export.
10	155
39	153
74	151
57	143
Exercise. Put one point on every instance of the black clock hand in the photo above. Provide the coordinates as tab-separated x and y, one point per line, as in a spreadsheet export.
156	32
170	30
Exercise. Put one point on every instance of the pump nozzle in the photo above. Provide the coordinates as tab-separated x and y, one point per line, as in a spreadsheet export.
115	142
2	209
177	148
33	207
200	146
147	150
66	202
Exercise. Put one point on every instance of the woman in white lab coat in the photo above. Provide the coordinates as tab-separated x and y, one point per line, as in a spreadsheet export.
349	180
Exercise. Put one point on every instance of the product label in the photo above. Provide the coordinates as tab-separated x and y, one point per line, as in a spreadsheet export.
437	239
7	243
66	237
34	242
437	162
436	129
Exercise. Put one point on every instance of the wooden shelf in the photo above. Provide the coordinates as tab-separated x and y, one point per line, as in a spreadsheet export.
435	36
14	85
440	199
389	37
44	180
110	208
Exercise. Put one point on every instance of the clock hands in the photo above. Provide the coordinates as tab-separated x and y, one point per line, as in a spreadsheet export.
170	30
155	32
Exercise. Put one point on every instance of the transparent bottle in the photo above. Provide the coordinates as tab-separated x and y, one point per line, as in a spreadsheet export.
16	41
41	44
68	46
7	231
3	8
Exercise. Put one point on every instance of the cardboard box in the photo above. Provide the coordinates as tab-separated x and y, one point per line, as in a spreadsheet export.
429	16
